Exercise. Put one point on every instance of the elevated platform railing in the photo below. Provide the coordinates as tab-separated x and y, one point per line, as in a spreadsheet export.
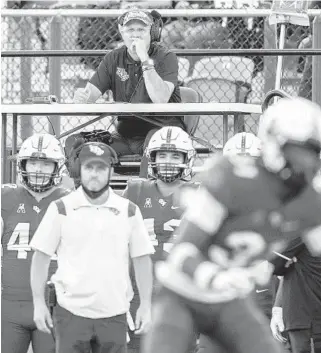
222	111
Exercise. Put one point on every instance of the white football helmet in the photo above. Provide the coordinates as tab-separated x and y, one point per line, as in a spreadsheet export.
170	138
41	147
243	143
296	120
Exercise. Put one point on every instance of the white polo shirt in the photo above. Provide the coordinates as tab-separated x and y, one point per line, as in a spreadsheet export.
93	244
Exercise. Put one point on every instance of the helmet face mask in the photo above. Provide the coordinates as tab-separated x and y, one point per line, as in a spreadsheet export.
168	165
40	162
170	155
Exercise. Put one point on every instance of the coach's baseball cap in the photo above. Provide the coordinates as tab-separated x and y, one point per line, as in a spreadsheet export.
99	152
138	15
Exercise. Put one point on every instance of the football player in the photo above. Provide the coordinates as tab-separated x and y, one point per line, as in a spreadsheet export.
241	144
40	164
170	155
244	211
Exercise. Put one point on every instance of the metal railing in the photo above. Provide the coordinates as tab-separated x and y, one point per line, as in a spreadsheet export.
222	113
27	72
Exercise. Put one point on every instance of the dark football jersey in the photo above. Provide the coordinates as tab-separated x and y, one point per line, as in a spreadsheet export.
21	214
162	215
261	214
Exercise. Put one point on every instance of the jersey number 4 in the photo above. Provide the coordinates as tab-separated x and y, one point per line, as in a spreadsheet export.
19	240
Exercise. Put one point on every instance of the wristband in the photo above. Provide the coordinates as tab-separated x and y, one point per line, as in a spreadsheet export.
277	310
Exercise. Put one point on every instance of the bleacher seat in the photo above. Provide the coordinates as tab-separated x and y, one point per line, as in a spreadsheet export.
183	68
223	80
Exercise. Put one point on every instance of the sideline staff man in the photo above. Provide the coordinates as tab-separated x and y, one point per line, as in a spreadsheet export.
93	231
141	71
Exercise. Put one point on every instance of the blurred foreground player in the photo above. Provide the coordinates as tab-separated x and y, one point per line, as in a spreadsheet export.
244	210
40	164
241	144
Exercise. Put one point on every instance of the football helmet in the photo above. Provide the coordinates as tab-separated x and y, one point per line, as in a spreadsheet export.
296	121
243	143
43	147
174	139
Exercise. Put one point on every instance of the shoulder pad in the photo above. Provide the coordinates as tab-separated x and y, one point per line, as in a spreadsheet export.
10	186
134	187
216	171
135	182
64	191
9	189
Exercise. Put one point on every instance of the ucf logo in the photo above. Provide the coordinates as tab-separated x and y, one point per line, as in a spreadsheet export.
96	150
122	74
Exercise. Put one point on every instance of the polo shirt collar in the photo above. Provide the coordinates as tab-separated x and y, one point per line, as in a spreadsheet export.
82	201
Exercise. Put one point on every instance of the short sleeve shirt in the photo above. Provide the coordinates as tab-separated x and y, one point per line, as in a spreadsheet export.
93	245
121	74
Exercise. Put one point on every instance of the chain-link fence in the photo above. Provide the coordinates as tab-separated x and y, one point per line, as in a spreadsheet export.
217	79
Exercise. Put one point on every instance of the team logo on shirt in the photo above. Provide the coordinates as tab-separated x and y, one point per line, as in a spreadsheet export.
21	208
96	150
122	74
148	202
36	209
162	202
114	210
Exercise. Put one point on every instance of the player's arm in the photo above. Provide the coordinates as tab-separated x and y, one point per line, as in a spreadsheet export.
140	249
279	293
203	218
97	85
160	84
277	323
125	192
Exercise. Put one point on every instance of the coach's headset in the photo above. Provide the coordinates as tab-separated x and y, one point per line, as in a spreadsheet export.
74	162
156	27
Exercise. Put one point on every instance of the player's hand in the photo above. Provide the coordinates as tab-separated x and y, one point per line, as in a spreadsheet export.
139	47
81	96
42	318
143	319
277	324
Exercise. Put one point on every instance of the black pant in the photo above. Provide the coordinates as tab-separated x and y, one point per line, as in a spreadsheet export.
236	326
303	341
76	334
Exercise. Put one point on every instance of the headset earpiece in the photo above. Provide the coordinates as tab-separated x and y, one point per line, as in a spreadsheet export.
74	162
157	27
